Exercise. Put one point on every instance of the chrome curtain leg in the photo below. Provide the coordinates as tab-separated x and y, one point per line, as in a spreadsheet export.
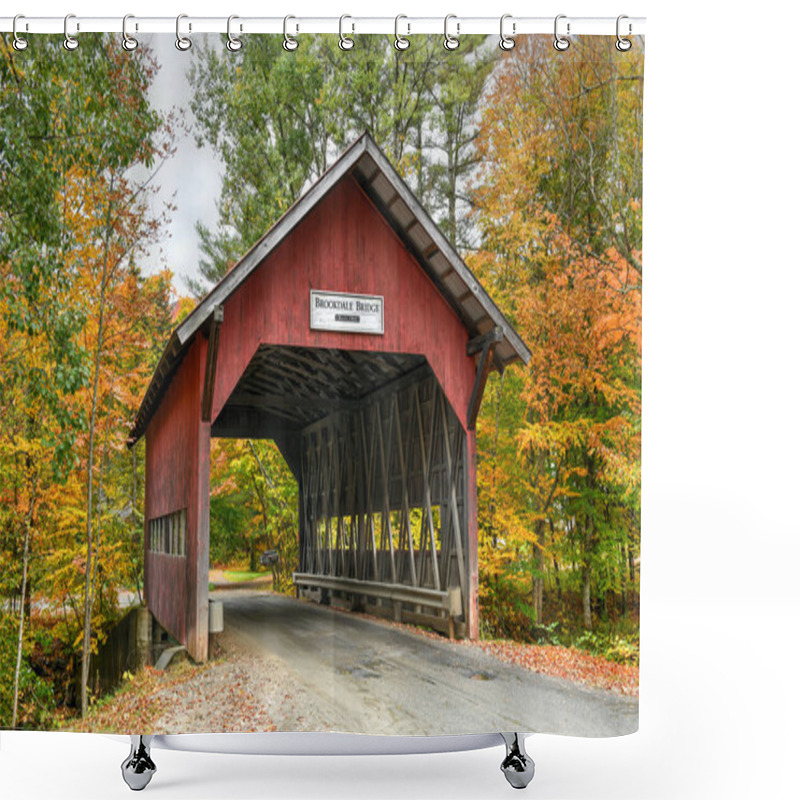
138	768
517	766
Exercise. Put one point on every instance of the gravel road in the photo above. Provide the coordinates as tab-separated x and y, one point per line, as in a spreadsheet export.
364	677
247	692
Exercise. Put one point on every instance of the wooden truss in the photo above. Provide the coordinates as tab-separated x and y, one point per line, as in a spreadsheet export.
383	514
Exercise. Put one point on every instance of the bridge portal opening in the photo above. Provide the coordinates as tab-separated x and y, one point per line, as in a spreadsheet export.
253	532
379	458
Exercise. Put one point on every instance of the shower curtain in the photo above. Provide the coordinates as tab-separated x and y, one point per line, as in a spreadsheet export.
320	385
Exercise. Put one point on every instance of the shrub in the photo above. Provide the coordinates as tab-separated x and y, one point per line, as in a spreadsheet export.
36	700
613	646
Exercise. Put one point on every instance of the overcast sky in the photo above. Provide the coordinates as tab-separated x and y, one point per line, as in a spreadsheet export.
192	175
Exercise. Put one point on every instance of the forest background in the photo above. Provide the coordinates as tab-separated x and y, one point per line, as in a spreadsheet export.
530	161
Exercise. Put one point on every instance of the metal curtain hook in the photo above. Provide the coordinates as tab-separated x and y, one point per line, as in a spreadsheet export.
451	42
70	42
290	44
183	43
623	45
128	42
345	42
233	44
19	43
507	42
561	43
400	42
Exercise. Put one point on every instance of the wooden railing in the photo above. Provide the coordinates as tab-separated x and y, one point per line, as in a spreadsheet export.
448	601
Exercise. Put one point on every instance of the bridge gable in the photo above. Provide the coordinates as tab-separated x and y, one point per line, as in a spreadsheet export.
343	245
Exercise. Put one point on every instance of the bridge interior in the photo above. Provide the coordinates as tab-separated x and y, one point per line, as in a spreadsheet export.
379	456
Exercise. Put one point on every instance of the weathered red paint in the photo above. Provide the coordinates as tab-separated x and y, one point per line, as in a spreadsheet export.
345	245
176	477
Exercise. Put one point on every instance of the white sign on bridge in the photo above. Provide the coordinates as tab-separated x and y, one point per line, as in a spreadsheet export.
337	311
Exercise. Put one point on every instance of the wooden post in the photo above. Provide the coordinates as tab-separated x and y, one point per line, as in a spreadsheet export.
471	507
197	564
485	345
211	364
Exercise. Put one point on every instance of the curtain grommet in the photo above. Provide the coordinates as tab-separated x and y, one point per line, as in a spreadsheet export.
622	44
19	43
233	44
70	42
507	42
401	43
129	43
183	43
345	42
450	43
290	44
560	42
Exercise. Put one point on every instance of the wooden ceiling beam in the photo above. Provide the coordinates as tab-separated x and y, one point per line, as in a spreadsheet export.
291	402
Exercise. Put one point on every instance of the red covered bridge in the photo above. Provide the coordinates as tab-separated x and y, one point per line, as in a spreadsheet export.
354	336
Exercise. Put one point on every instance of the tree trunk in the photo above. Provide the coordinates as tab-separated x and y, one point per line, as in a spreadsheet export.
556	572
538	583
538	579
452	167
632	569
624	576
493	459
134	501
589	545
557	576
420	175
587	597
98	537
88	583
20	637
253	560
586	588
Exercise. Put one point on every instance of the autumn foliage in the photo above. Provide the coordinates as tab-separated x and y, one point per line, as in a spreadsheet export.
531	162
80	328
558	203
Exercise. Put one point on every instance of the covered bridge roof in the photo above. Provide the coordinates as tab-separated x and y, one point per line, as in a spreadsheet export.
365	162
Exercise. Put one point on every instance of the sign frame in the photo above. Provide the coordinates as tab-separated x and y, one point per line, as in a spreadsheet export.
351	321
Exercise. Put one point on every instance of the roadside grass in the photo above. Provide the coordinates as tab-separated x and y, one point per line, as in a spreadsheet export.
234	574
239	576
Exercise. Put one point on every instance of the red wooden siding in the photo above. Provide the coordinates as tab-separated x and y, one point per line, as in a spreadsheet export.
344	245
176	469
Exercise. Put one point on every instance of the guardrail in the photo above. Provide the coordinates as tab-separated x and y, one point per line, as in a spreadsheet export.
448	600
